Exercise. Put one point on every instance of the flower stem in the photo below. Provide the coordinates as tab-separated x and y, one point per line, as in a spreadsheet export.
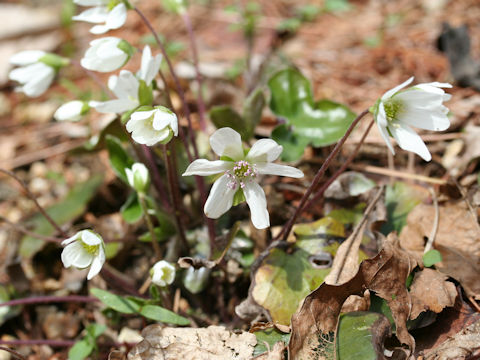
151	228
54	343
32	197
13	352
191	35
339	171
172	174
48	299
288	226
180	91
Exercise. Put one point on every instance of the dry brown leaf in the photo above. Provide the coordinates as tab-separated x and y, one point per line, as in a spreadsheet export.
457	239
385	274
430	290
212	343
460	346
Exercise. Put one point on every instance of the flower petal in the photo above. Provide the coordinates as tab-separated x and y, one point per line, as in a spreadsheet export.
97	264
70	111
26	57
264	150
258	205
220	199
124	86
429	119
382	126
277	169
117	16
227	142
204	167
90	238
409	140
391	92
94	15
115	106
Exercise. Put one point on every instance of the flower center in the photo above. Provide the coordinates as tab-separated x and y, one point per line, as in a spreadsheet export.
393	108
91	249
241	172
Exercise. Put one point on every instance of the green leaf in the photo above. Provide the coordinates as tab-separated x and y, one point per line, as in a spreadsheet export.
226	116
116	302
358	336
95	330
268	336
119	159
252	111
431	257
80	350
293	145
400	199
286	276
159	313
132	210
71	207
112	249
337	5
319	123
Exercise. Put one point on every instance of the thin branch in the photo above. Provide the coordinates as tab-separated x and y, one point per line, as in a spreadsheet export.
433	233
13	352
53	343
48	299
32	197
25	231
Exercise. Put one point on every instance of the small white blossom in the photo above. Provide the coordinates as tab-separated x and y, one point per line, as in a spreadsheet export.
82	250
149	127
163	273
71	111
106	54
138	177
420	106
36	72
110	14
240	172
127	87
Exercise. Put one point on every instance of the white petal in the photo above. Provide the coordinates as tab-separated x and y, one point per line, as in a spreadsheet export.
258	205
142	115
129	174
26	57
90	238
382	124
26	73
429	119
220	199
409	140
71	239
420	98
70	111
38	85
117	16
94	15
96	266
125	86
163	119
204	167
76	256
391	92
227	142
146	59
264	150
277	169
91	2
99	29
68	254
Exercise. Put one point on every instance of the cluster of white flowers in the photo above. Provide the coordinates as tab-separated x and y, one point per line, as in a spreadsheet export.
110	14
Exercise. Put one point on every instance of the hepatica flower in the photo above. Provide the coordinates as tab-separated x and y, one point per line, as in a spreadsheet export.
138	177
71	111
82	250
36	70
163	273
240	171
132	91
107	54
110	14
420	106
152	125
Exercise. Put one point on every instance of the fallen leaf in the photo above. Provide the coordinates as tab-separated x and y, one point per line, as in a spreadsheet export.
460	346
349	184
385	274
212	343
275	353
430	290
457	239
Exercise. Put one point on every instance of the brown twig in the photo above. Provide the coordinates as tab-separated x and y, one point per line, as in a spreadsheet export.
48	299
398	174
32	197
13	352
25	231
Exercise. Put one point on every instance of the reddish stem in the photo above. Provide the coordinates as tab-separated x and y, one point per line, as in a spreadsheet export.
48	299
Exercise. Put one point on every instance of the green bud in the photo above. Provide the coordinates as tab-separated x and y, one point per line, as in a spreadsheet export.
126	48
54	61
145	93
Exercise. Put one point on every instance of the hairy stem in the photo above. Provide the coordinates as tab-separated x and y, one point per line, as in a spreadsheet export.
288	226
48	299
151	228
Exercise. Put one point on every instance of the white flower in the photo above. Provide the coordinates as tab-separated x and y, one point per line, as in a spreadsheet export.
127	87
420	106
138	177
34	75
239	174
82	250
111	13
106	54
149	127
71	111
163	273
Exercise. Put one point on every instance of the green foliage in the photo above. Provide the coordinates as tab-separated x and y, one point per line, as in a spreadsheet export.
355	336
337	6
85	346
268	337
133	305
313	123
119	158
431	257
71	207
